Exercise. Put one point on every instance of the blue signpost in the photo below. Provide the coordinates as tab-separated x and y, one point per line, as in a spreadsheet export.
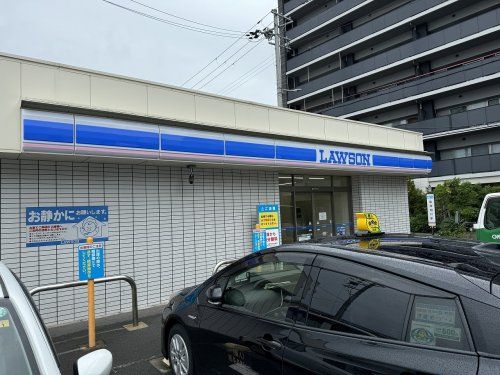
91	266
91	261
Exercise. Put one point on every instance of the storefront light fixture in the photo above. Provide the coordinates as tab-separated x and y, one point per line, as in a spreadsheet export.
191	168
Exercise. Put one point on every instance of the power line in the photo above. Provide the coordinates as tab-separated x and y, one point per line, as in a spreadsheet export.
221	64
243	76
234	62
224	63
222	53
184	19
176	24
263	68
228	87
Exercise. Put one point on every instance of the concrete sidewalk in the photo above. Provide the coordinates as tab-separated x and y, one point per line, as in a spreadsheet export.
134	352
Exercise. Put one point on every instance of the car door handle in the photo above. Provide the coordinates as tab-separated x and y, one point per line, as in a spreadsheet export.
268	343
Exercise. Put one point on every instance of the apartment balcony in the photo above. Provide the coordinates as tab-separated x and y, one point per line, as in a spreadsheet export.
292	4
395	20
482	26
475	117
333	14
417	88
471	164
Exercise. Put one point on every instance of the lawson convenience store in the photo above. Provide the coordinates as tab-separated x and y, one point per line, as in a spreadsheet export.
181	173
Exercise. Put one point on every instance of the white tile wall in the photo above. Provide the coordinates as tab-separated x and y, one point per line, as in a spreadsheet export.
164	232
385	196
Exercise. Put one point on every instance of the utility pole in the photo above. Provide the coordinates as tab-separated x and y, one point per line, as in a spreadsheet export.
280	46
278	43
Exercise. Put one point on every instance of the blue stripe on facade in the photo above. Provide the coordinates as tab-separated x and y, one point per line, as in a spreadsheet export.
181	143
255	150
385	161
295	153
47	131
393	161
103	136
406	163
420	164
58	132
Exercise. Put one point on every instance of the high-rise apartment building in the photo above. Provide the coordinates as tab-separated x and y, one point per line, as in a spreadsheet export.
426	65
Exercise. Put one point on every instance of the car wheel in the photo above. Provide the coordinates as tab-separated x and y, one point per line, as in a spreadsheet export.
179	351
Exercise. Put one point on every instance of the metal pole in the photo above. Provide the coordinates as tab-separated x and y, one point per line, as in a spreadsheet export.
91	298
72	284
91	305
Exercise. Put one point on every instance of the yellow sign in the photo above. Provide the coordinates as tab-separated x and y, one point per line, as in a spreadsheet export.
372	244
367	222
268	220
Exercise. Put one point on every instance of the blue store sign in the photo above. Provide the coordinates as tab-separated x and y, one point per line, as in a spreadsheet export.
91	261
49	226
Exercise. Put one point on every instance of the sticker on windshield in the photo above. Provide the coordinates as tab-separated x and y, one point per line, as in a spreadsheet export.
448	333
422	333
4	323
3	312
441	314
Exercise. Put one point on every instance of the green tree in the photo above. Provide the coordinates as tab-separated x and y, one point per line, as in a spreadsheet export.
457	207
418	209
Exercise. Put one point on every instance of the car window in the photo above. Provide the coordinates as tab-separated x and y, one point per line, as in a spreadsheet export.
485	329
436	322
492	215
37	312
269	289
350	304
14	353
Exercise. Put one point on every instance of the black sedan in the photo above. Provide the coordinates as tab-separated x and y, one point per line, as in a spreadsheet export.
387	305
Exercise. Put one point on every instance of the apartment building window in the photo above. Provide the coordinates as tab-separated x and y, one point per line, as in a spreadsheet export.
346	27
455	110
495	148
420	31
348	60
468	107
456	153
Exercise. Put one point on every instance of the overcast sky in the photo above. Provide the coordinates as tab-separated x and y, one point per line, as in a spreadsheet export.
94	34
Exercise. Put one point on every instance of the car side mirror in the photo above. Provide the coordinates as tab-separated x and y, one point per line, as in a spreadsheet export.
98	362
214	295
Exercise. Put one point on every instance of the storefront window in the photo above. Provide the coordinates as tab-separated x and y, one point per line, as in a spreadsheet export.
285	180
341	181
342	213
312	181
314	207
287	217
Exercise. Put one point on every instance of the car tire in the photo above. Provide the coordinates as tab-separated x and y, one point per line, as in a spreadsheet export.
180	354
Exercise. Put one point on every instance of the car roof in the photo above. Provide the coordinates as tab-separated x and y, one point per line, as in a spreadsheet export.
460	266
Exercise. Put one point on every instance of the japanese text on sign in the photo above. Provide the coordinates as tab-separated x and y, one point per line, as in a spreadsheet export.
48	226
91	261
269	234
431	210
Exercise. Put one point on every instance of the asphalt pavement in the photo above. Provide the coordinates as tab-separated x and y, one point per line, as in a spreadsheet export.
134	352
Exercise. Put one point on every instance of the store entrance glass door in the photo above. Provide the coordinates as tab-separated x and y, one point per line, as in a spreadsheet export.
314	207
304	216
323	218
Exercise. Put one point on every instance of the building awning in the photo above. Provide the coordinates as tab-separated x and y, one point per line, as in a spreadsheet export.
75	135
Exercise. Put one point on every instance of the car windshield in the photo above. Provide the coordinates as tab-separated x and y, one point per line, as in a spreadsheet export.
13	355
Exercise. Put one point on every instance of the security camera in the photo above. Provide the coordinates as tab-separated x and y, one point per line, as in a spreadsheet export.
191	173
